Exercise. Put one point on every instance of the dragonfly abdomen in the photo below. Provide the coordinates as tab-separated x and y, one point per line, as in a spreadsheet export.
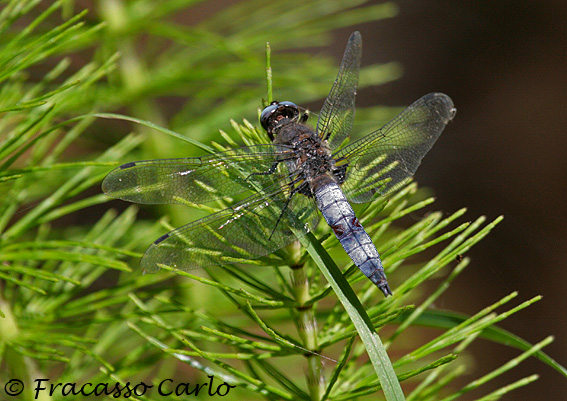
355	240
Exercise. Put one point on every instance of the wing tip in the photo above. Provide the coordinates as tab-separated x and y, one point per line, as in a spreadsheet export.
110	183
445	105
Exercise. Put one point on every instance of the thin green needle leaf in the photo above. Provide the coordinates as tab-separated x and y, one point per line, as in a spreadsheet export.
240	292
370	389
245	343
239	378
42	274
497	372
496	395
342	362
23	284
153	126
65	256
278	338
448	319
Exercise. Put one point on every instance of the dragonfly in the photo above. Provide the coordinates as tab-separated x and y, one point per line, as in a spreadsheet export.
301	175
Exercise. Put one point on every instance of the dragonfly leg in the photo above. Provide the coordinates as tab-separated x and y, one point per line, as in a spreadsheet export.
302	188
273	167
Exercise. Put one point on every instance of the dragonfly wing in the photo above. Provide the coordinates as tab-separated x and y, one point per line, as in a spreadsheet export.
255	227
197	179
385	159
337	115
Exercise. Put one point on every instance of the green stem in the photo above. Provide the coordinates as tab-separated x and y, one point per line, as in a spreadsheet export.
307	327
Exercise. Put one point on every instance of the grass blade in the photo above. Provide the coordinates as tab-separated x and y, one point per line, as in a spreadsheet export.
376	351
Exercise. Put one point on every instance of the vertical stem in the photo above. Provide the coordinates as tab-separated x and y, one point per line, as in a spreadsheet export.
269	72
307	329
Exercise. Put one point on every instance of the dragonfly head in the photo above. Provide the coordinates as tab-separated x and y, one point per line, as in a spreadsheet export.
277	114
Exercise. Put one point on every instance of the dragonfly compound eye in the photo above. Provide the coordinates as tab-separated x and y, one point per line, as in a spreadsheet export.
275	112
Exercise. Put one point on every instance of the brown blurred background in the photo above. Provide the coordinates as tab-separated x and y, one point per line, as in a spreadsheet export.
504	63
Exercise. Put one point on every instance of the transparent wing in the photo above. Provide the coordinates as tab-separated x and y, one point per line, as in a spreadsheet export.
255	227
197	179
385	159
337	115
